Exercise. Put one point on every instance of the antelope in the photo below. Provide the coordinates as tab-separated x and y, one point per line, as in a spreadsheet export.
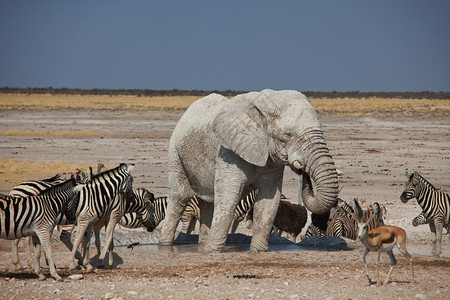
382	239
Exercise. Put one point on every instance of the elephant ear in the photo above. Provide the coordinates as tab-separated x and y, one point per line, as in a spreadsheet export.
241	127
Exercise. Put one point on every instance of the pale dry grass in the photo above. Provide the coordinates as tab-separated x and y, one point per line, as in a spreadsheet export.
371	106
343	106
15	171
50	102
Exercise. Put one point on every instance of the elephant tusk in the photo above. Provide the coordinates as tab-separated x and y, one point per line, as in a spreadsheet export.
297	165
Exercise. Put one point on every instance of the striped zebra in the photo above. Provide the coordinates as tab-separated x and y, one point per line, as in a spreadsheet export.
314	230
95	202
192	213
26	189
131	220
344	224
435	206
36	216
140	203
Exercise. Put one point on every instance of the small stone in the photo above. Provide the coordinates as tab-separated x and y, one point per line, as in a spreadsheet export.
286	283
294	297
420	296
109	295
394	283
76	277
132	293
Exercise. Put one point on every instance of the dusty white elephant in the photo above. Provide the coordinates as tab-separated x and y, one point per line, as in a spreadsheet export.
222	149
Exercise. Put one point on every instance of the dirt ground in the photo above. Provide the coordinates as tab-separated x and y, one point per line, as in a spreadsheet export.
373	152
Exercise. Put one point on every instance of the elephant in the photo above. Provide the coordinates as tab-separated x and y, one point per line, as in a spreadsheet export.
222	149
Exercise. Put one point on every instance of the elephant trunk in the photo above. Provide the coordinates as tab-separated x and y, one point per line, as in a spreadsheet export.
320	170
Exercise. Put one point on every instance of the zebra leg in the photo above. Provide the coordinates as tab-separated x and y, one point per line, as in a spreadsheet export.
393	263
365	265
15	253
29	246
37	257
86	247
433	236
438	224
97	240
234	225
44	237
80	229
108	237
111	254
65	237
191	226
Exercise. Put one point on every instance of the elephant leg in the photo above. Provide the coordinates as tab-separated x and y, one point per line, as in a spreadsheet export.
206	216
265	210
180	192
228	190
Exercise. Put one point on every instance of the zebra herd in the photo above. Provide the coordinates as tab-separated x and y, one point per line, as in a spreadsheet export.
87	202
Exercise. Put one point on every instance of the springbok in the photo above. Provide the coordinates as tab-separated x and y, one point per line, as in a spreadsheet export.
383	239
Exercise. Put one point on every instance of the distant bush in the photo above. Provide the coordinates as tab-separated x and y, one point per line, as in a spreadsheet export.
226	93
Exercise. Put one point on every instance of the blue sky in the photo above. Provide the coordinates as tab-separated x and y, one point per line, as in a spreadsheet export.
226	45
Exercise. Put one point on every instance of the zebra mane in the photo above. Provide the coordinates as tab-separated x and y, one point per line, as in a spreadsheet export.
52	179
59	187
426	182
96	176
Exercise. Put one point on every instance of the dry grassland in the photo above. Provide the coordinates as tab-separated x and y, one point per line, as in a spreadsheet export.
343	106
14	171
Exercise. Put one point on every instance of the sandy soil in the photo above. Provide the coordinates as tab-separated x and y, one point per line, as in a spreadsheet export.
373	152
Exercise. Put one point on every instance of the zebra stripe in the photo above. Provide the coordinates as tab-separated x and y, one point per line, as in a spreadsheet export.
190	215
313	230
435	206
96	201
131	220
26	189
344	224
140	203
36	216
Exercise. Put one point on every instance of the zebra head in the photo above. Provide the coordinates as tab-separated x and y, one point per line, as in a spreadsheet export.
126	185
146	217
412	188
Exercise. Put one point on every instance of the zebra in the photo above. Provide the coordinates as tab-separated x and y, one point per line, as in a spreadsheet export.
139	203
243	209
344	224
95	203
26	189
435	206
36	216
